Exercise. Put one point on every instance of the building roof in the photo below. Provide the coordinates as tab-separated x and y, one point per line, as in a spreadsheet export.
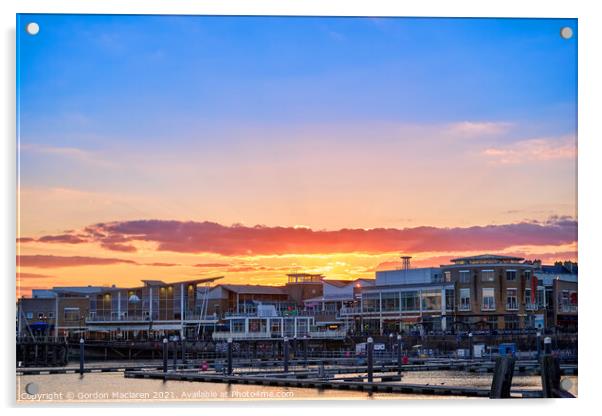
487	257
558	269
255	289
343	283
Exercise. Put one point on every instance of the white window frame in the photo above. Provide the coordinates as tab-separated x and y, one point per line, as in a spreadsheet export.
512	306
489	305
465	306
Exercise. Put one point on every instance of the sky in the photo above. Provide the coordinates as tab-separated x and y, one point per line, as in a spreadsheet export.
170	147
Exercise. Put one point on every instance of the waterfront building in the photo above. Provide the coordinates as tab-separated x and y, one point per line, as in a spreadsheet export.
560	284
402	301
55	313
496	292
151	311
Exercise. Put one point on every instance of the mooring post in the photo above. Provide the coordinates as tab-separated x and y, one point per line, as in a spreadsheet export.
175	355
305	350
547	344
370	358
550	372
399	354
538	340
229	371
502	378
81	356
470	349
285	354
183	350
165	355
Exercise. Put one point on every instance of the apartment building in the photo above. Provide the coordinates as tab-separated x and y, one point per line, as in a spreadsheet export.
496	292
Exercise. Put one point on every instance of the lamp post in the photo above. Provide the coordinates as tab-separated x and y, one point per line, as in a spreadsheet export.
538	341
165	355
81	356
470	352
399	354
391	344
370	360
229	369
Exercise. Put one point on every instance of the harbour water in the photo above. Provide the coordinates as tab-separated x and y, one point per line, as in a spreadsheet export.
114	387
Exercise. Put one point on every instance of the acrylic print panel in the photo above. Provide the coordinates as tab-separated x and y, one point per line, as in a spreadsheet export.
341	203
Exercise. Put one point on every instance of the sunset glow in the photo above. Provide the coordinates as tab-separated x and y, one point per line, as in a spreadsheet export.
252	147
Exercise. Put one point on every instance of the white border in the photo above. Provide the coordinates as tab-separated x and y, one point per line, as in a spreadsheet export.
590	207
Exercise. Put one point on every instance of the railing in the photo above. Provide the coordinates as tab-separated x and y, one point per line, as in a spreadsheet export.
488	307
350	311
533	306
511	306
464	308
329	334
144	318
568	308
222	336
279	314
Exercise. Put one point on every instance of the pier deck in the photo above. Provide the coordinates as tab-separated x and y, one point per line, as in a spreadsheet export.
338	384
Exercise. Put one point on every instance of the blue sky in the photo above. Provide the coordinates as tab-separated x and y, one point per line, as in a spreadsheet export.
138	104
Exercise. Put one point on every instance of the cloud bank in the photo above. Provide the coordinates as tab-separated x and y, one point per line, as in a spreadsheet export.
209	237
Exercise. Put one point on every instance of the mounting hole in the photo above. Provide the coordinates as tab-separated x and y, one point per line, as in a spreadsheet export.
566	32
32	28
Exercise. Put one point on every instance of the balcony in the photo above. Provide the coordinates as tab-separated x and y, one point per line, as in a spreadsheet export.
488	307
346	311
224	336
532	306
567	308
512	306
464	308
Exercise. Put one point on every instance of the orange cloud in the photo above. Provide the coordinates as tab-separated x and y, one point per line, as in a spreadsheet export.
209	237
51	261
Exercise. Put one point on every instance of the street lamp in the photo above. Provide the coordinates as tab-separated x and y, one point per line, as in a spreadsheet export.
538	340
470	352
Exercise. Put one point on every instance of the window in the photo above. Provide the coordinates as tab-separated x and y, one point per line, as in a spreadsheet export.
450	299
29	315
431	300
527	296
410	301
527	274
487	276
390	301
71	314
511	322
465	276
512	299
237	325
465	304
447	276
488	299
371	302
510	275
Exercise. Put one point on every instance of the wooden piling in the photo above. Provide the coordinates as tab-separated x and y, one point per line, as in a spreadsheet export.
502	378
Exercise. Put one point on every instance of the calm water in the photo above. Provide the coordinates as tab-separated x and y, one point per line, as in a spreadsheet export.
113	387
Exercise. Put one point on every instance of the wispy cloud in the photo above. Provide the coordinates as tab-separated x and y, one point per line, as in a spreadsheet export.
540	149
51	261
479	128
